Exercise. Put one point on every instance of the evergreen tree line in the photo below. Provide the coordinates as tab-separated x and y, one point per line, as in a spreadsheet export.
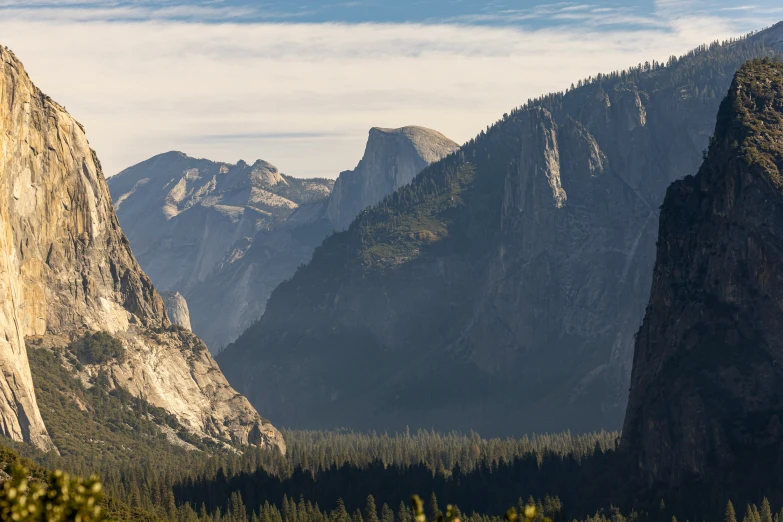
320	450
487	489
157	482
549	510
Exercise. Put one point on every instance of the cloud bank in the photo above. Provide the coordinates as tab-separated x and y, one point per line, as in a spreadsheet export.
303	96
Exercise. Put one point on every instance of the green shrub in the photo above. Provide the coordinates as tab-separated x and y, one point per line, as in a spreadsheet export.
98	348
65	499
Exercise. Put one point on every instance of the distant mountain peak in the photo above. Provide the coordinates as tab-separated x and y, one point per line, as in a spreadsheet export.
519	267
392	158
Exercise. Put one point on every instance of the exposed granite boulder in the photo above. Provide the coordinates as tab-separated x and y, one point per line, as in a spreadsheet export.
707	384
67	268
176	308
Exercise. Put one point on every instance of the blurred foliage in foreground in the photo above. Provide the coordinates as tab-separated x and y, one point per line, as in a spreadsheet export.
64	499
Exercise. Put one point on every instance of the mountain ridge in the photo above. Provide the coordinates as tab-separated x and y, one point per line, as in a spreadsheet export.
251	260
518	267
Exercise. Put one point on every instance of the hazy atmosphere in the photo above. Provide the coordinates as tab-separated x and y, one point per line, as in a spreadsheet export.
391	261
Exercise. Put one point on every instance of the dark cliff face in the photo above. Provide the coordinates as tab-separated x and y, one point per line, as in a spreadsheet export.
501	290
707	384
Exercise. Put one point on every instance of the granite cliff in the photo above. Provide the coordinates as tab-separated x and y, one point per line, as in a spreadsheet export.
66	270
707	384
391	160
501	290
183	215
225	236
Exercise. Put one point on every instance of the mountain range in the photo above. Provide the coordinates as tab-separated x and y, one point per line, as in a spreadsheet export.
224	236
501	290
499	286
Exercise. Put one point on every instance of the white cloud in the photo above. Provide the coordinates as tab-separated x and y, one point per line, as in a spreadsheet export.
303	96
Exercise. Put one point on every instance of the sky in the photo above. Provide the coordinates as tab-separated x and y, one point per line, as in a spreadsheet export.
299	84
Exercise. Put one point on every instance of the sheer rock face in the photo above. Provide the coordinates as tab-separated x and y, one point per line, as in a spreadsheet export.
66	268
501	292
177	308
391	159
707	383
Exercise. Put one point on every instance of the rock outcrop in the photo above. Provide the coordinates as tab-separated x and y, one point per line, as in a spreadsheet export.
66	268
501	290
184	215
391	160
707	384
226	264
177	308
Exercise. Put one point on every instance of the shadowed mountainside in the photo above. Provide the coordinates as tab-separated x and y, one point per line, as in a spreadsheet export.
502	289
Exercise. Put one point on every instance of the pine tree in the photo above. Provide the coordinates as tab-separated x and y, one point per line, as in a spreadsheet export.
341	514
731	515
171	504
766	511
387	515
403	513
748	514
434	511
357	516
237	509
370	511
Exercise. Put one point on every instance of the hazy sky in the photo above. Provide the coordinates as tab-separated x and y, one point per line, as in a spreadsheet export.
299	84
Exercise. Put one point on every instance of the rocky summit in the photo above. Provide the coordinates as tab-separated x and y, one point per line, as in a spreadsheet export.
707	384
66	271
189	219
391	160
184	215
224	236
501	290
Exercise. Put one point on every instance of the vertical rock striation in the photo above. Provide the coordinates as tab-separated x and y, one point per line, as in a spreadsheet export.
707	383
